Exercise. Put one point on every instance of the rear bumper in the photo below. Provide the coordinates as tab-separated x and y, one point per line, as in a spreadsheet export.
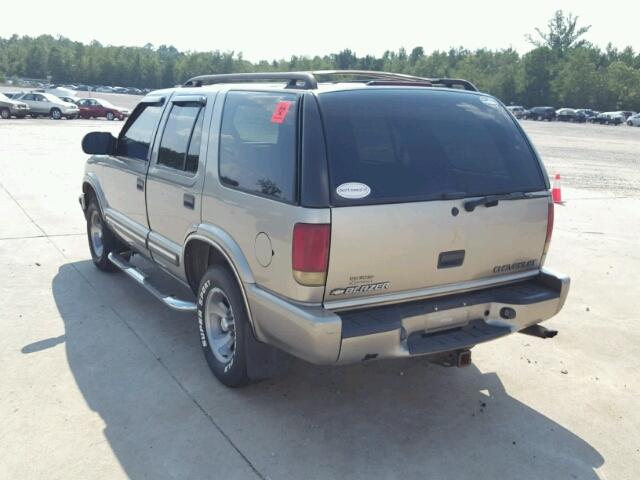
424	327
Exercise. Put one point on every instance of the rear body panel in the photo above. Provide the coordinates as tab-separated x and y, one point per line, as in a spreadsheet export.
399	247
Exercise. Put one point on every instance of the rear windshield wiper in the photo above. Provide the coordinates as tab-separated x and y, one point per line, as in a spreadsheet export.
493	200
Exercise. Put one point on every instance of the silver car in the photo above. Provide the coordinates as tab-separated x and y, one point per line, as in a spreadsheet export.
339	217
48	105
10	107
634	120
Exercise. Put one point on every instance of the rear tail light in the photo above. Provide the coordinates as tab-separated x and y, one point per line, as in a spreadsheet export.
550	219
310	253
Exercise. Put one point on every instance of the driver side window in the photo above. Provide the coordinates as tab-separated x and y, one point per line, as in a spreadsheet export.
135	139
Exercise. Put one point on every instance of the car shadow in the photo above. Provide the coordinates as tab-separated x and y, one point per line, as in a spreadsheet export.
407	418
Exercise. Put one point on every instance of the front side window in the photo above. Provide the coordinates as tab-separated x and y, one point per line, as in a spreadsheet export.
136	136
258	143
180	144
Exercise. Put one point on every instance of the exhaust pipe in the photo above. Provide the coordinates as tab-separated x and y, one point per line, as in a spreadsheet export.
539	331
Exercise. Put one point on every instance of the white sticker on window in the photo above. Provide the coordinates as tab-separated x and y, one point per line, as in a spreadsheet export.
353	190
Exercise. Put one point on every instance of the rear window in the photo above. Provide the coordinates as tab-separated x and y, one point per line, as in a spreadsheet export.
412	145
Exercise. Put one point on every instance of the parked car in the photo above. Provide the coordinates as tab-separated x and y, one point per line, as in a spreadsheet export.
120	90
542	113
519	112
587	112
60	92
627	113
104	90
608	118
69	99
634	120
12	94
45	104
97	108
10	107
570	115
375	239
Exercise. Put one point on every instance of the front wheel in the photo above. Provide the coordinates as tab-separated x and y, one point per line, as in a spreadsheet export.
102	241
224	326
56	114
110	116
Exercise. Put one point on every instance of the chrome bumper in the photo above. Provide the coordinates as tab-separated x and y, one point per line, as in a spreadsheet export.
423	327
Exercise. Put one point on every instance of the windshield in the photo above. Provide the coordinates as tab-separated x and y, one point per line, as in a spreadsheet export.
421	144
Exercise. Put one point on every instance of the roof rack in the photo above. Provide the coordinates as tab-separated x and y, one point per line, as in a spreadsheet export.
310	80
304	80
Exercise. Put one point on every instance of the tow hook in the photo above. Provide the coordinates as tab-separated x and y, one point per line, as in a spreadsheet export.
539	331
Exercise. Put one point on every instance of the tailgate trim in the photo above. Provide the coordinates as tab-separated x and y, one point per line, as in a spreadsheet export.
429	292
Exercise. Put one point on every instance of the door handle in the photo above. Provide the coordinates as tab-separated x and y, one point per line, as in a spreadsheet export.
140	183
189	201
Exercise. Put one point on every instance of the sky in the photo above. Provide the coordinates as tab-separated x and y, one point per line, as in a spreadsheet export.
274	30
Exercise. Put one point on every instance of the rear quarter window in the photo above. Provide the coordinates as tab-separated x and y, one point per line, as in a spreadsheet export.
420	144
258	143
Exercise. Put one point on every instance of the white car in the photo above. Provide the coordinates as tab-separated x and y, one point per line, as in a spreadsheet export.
634	120
45	104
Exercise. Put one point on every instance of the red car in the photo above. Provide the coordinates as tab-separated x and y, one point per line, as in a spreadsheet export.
96	108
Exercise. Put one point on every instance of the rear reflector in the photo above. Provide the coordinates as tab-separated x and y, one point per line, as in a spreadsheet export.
310	253
550	219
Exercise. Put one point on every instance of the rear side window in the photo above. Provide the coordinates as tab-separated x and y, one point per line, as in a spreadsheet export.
136	136
180	143
418	144
258	143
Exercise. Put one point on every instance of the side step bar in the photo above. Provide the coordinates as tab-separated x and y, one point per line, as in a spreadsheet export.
142	279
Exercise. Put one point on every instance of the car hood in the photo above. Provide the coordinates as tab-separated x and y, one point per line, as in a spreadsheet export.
15	103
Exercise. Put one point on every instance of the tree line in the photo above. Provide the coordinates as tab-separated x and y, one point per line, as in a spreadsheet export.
562	69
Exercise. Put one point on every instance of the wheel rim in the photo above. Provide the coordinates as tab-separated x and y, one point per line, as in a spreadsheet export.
220	325
109	116
56	114
95	234
4	114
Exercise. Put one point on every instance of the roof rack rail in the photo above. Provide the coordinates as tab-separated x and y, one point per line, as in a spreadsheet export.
309	80
454	83
293	79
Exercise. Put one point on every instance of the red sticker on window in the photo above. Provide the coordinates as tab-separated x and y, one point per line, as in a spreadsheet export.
280	112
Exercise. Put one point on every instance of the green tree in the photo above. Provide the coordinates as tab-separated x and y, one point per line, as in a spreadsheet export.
562	34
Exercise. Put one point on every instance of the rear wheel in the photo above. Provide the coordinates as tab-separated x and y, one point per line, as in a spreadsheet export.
5	113
102	241
224	326
56	114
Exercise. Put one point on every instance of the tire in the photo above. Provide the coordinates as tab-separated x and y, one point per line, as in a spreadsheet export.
224	330
110	116
5	113
101	239
56	114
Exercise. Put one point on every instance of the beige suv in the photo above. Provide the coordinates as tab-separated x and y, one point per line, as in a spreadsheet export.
338	216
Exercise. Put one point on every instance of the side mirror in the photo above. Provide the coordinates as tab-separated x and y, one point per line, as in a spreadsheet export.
99	143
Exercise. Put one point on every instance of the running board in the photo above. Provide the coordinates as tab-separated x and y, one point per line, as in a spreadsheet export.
142	279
